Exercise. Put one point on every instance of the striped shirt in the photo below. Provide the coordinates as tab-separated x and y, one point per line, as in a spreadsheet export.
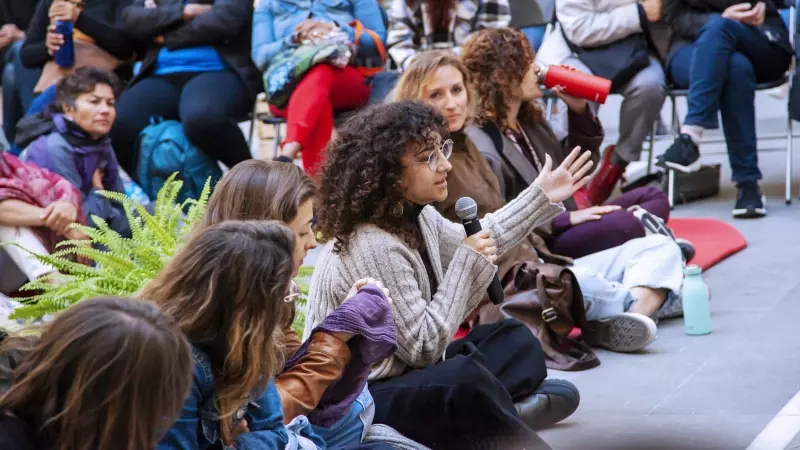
411	32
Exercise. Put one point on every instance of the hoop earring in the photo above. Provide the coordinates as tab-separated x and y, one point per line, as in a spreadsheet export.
397	209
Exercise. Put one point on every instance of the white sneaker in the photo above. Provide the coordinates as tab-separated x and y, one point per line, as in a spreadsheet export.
626	332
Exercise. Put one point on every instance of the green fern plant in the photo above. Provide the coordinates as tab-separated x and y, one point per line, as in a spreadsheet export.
122	265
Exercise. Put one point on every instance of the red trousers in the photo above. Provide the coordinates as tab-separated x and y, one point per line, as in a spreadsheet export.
309	115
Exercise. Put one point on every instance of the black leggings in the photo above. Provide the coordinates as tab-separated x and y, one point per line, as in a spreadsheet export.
467	400
208	104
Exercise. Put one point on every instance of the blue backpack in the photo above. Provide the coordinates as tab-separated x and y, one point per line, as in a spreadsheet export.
164	150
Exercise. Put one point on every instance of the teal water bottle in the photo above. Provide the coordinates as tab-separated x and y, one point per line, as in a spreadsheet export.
696	309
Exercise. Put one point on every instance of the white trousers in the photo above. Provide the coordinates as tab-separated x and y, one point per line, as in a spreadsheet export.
25	237
607	277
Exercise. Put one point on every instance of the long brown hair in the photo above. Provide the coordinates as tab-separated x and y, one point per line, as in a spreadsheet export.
226	289
412	83
258	190
497	60
107	373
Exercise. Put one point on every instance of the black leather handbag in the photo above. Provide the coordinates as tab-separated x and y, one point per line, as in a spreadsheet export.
618	61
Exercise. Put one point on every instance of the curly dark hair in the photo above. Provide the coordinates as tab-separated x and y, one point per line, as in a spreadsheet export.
498	59
360	182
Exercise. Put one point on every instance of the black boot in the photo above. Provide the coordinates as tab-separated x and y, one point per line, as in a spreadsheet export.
552	402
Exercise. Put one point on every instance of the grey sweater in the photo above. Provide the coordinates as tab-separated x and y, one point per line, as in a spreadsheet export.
425	321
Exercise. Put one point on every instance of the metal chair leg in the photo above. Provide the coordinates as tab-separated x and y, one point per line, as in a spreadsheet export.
676	123
276	144
789	158
651	155
671	188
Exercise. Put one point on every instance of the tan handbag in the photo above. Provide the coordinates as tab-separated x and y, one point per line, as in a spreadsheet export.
87	54
548	300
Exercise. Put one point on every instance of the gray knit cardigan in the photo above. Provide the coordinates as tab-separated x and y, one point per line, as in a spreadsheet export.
425	321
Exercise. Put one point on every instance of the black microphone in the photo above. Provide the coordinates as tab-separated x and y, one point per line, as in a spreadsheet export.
467	211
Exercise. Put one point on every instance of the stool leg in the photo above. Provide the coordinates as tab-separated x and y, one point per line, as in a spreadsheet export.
651	154
676	123
276	145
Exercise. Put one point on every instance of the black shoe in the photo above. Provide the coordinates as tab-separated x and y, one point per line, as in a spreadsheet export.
552	402
750	202
683	155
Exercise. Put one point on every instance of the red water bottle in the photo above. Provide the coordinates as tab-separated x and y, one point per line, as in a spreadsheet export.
575	83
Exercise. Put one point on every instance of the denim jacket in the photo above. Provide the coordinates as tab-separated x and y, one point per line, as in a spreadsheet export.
274	23
197	427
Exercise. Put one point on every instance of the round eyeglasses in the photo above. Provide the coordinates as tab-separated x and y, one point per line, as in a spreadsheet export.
446	150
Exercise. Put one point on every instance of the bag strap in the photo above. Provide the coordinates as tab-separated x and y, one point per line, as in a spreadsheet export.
361	29
549	313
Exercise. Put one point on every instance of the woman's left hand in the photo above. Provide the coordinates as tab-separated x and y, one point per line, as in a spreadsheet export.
575	104
561	183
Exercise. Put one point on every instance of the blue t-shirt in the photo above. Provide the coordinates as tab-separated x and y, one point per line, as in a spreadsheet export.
195	59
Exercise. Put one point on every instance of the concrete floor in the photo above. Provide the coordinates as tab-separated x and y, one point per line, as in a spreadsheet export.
716	391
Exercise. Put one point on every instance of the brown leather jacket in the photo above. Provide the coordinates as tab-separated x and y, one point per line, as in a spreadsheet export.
301	387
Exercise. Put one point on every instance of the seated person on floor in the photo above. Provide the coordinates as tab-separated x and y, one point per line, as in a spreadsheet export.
325	89
74	142
635	277
588	24
105	373
514	138
385	167
196	69
36	209
98	37
260	190
739	46
419	25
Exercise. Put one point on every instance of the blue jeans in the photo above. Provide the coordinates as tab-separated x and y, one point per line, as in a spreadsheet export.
42	101
733	57
18	83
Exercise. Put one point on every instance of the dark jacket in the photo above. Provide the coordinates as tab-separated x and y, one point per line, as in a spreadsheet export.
99	20
18	12
227	27
17	434
687	17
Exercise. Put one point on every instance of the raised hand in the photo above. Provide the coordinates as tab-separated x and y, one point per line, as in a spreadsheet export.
561	183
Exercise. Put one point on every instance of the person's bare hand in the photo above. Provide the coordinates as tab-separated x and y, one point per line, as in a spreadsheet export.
54	40
756	15
652	9
150	4
240	428
193	10
483	243
313	30
97	179
365	281
158	40
59	215
9	33
575	104
740	12
75	234
591	214
561	183
64	10
5	39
